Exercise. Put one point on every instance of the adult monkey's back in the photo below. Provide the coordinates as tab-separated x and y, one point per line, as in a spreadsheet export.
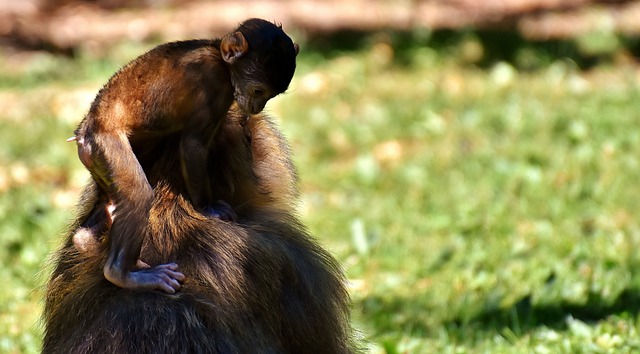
261	285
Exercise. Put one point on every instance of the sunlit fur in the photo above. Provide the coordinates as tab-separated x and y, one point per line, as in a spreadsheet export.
261	285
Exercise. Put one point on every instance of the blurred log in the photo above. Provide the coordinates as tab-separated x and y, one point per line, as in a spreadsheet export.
64	24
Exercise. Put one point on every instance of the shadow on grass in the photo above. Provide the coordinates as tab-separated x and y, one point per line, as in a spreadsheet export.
497	46
412	315
524	315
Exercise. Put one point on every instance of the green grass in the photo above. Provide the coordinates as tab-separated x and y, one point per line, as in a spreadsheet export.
476	209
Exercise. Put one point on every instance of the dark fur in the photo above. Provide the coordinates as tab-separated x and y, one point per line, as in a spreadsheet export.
261	285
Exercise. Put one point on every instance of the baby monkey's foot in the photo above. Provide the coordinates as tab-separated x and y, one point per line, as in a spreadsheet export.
220	210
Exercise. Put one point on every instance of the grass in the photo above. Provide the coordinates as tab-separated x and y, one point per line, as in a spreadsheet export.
477	206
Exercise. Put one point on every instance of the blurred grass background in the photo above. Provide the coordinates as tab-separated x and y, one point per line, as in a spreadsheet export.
479	189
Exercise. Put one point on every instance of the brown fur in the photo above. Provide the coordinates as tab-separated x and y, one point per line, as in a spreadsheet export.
181	89
261	285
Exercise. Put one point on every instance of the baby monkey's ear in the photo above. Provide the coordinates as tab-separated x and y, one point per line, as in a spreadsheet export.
297	48
233	46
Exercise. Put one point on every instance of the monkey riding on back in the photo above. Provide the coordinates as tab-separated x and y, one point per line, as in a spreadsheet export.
184	88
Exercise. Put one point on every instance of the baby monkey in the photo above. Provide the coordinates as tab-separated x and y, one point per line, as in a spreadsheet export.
181	88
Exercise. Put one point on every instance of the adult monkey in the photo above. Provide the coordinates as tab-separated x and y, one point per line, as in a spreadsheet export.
260	285
183	88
